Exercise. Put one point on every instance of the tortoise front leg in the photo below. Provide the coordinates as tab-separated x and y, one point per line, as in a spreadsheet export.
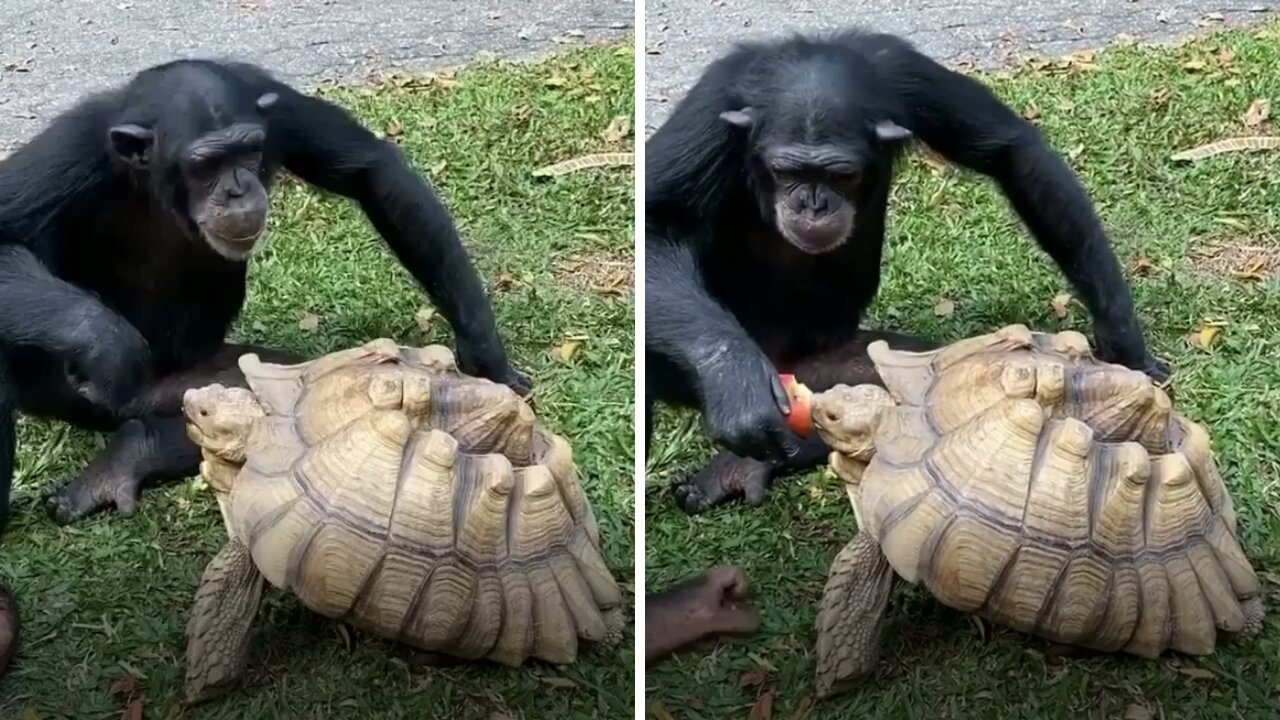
218	629
852	615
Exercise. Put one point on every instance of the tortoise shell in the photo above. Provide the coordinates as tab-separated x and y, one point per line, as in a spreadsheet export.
386	488
1019	478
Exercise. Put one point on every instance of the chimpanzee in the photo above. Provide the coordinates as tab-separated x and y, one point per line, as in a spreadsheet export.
765	197
126	227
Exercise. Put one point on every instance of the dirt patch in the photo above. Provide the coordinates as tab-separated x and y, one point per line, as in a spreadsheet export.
1246	259
603	273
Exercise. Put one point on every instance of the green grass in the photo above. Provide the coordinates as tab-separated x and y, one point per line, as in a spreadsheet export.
952	235
108	597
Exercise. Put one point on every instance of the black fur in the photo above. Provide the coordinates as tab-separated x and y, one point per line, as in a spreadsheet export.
108	291
729	301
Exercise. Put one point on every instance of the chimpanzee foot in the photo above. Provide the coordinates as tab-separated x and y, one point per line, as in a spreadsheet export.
726	477
154	448
92	492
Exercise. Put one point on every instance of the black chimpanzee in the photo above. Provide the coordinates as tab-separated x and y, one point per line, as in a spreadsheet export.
125	231
766	192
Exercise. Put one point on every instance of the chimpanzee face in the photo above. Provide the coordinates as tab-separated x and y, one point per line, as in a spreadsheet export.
221	176
811	187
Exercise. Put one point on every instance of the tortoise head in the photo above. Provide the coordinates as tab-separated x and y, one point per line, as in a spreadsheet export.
845	417
219	419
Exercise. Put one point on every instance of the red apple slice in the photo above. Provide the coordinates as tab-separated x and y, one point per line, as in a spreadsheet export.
800	419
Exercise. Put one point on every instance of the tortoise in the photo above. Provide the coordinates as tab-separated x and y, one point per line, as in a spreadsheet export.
1021	479
383	487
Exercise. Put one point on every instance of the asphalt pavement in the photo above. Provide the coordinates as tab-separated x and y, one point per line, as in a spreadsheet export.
681	37
52	51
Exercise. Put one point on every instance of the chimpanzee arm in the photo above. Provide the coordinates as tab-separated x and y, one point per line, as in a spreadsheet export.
8	441
324	145
38	309
965	122
735	382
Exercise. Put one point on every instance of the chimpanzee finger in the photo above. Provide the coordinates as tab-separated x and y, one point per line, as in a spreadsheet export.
779	394
731	580
737	618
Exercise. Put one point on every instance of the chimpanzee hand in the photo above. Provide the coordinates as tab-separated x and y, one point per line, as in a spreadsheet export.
1133	356
486	359
744	407
107	360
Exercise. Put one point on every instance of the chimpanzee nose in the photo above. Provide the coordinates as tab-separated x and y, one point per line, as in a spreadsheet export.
814	201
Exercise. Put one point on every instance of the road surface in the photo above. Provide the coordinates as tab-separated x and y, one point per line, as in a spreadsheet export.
682	35
52	51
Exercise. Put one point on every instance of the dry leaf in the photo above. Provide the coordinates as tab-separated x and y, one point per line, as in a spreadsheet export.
309	322
1258	112
945	308
423	318
1074	153
1137	712
1159	97
566	351
754	676
1141	266
394	129
803	708
1060	304
1225	56
619	128
1205	335
1198	673
1193	65
173	712
560	682
555	81
1031	112
659	711
763	709
134	711
123	686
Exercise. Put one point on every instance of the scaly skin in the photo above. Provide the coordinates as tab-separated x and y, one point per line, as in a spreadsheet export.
218	629
852	615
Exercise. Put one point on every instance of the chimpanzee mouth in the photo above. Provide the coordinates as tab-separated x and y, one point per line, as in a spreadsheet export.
235	247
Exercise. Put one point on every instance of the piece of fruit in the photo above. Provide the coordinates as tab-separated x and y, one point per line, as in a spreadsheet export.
800	419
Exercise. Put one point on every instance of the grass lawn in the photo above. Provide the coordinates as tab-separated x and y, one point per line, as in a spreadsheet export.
107	599
1200	242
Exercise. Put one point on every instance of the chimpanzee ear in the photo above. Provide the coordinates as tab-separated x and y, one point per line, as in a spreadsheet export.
890	131
132	144
744	118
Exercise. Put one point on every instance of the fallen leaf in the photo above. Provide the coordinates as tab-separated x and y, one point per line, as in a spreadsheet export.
1226	56
944	308
1204	335
1074	153
1160	97
618	129
566	351
803	708
659	711
1137	712
1141	266
134	711
763	709
1060	304
309	322
123	686
754	676
1193	65
1258	112
423	318
560	682
438	169
555	81
1198	673
173	712
1031	112
394	129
